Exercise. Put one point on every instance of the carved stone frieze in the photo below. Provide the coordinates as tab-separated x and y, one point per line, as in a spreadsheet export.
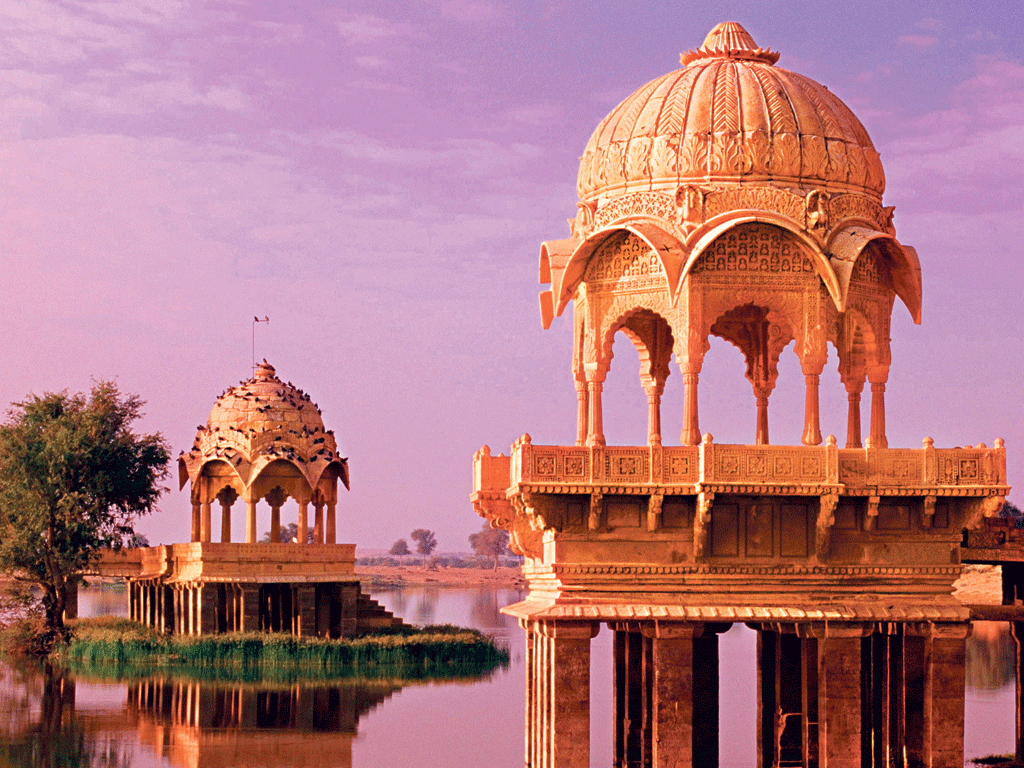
757	198
653	205
625	263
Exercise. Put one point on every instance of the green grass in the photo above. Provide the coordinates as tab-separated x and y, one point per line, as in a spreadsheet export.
119	648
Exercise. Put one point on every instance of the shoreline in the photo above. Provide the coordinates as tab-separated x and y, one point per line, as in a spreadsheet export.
390	577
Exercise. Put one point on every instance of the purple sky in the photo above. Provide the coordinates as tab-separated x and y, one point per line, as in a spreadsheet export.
378	177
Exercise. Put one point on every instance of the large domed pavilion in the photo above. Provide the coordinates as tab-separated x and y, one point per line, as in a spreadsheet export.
737	199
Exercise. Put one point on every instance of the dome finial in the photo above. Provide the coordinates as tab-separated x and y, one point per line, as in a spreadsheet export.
264	371
729	40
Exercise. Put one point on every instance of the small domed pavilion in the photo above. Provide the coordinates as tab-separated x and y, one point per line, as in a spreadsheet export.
265	441
737	199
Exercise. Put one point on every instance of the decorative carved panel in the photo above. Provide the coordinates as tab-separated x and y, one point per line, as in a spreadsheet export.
647	204
625	263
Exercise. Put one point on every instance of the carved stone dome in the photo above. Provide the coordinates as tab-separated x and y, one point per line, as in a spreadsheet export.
264	403
730	115
261	421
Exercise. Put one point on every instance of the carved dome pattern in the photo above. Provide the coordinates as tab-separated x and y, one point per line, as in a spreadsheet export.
260	421
730	115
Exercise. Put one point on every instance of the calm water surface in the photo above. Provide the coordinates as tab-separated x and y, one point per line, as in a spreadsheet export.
170	722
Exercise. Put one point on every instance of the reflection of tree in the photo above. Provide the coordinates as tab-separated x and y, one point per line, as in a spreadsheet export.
426	606
990	656
55	739
487	605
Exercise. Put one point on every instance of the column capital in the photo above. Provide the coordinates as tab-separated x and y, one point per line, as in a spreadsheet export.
565	630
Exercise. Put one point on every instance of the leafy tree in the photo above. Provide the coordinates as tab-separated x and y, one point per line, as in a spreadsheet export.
425	540
289	533
73	478
400	549
489	542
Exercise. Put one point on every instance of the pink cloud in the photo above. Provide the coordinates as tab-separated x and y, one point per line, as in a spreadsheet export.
918	41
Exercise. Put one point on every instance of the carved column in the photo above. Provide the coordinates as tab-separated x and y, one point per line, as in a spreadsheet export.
302	534
227	497
318	522
250	520
876	438
196	517
330	522
276	499
595	436
812	422
761	394
654	391
582	412
691	427
853	392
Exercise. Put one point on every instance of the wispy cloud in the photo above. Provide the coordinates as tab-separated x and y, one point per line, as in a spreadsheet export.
918	41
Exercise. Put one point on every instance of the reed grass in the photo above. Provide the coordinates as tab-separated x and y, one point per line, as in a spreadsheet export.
122	648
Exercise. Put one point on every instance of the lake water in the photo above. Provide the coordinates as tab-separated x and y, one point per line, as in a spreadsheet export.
170	722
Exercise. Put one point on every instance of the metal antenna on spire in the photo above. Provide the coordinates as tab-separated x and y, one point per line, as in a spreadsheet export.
255	320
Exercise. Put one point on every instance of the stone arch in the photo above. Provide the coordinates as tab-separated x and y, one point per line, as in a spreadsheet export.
703	238
566	279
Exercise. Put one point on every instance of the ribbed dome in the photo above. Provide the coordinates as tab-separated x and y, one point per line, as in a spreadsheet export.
265	402
730	115
260	421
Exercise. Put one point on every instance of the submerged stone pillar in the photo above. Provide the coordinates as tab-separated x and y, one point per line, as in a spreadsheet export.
839	695
945	670
248	607
558	694
305	609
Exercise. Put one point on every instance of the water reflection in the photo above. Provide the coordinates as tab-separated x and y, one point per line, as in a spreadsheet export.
196	724
162	721
41	728
991	654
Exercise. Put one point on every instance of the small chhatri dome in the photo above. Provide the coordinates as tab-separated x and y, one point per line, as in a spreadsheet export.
730	115
260	421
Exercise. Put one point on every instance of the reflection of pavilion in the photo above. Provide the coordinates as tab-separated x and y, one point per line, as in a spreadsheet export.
201	724
732	198
265	441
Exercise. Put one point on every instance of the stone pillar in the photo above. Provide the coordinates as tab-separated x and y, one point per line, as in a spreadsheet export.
275	524
633	682
249	608
876	438
225	521
762	416
853	391
839	695
691	427
654	391
945	672
250	521
330	522
684	695
302	534
582	412
812	422
305	598
595	438
195	520
559	730
205	534
206	595
318	523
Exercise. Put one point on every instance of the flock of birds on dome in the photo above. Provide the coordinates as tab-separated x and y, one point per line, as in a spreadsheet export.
288	394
